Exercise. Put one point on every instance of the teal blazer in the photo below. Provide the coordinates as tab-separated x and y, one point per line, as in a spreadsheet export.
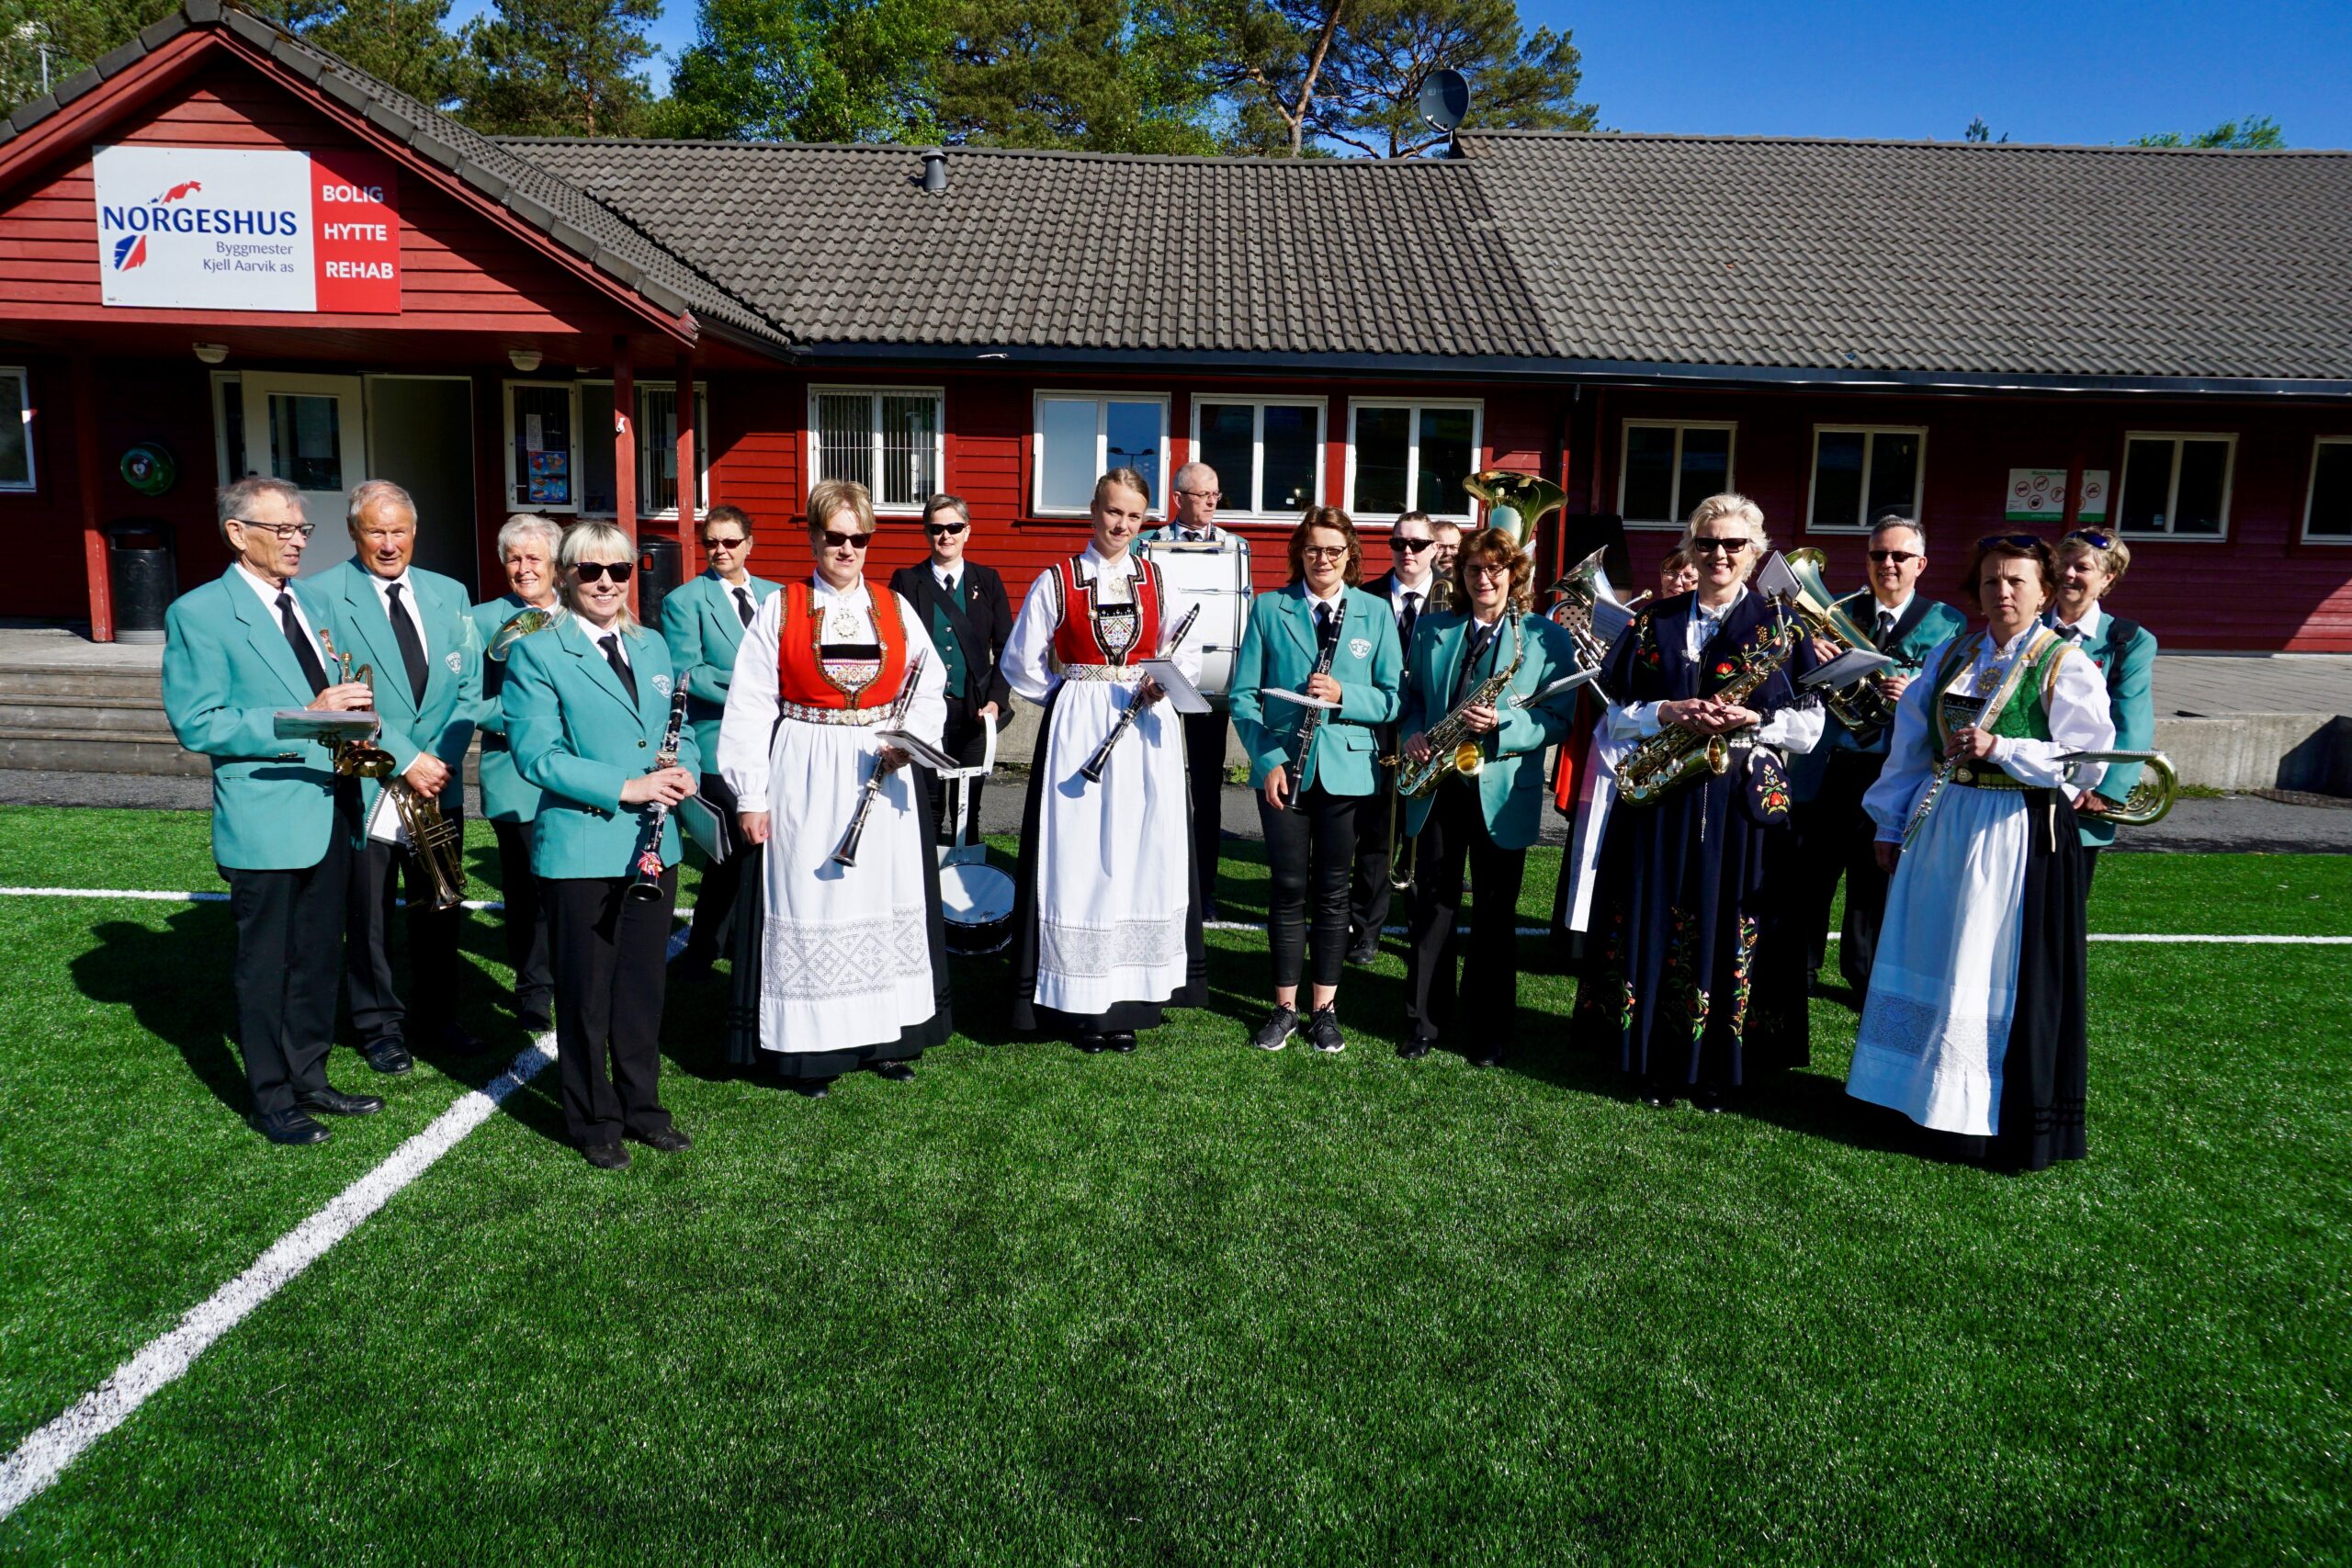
576	736
702	629
227	671
1924	623
2126	654
506	797
1511	787
1278	649
443	723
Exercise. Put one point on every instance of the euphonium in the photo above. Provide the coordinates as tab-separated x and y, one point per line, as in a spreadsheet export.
1859	705
1675	756
1453	749
521	626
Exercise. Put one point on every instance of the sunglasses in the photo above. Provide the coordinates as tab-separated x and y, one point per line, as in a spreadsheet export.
2096	539
2022	541
936	529
1898	556
595	570
1411	547
286	531
716	543
1706	546
834	541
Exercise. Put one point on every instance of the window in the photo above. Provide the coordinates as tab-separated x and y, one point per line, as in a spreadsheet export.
2327	512
1268	453
542	448
1412	456
1862	472
892	440
1081	437
657	449
15	429
1669	470
2176	484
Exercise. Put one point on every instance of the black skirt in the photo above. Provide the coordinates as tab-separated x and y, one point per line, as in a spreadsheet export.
749	939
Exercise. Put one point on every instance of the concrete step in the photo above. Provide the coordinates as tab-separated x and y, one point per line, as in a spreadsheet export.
54	751
65	681
85	716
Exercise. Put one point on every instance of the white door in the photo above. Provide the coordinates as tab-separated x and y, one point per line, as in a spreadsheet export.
311	430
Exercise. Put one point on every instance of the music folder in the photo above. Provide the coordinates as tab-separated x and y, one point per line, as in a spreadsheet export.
921	750
1182	695
704	827
1848	668
1285	694
324	724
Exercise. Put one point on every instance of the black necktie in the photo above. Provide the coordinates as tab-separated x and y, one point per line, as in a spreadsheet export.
1405	622
1885	629
304	654
411	643
1481	638
743	604
611	643
1322	623
947	586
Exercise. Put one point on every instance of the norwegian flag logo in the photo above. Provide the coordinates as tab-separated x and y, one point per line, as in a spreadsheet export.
130	251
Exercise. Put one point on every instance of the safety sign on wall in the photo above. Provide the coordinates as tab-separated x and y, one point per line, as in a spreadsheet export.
240	229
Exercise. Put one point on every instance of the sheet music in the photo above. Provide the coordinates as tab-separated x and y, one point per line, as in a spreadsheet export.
1182	695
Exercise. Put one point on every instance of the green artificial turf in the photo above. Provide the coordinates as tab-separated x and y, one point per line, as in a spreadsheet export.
1198	1304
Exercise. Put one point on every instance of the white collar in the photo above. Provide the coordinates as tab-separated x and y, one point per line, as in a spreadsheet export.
1339	595
825	593
1720	611
1477	625
950	573
742	587
385	584
1126	565
2014	643
1186	532
263	586
2093	618
1881	608
1398	587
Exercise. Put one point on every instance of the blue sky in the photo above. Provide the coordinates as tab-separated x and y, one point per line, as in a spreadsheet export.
2091	71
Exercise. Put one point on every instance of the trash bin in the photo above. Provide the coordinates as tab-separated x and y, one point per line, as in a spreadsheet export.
146	575
658	568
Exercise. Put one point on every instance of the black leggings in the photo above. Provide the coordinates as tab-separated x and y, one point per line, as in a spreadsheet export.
1311	845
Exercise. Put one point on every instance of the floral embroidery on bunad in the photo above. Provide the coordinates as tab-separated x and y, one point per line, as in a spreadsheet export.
1645	642
1611	985
1776	800
1682	972
1740	977
1722	669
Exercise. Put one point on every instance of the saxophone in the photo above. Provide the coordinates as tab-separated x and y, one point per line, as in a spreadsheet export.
1675	756
1453	749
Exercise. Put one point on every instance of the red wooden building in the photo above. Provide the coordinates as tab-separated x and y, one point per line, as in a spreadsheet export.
228	251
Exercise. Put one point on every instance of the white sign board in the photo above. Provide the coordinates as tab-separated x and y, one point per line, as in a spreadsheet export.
2036	495
239	228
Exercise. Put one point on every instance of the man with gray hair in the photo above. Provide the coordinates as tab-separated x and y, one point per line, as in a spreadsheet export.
416	629
1193	502
236	651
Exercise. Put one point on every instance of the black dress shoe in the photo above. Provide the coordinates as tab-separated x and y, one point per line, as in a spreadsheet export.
811	1088
1209	912
538	1022
897	1072
1487	1059
606	1156
332	1101
1414	1050
1366	951
1709	1098
463	1041
289	1127
1122	1041
1657	1100
1093	1045
667	1140
388	1055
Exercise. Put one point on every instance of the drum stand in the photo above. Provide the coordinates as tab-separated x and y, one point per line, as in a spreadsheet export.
975	898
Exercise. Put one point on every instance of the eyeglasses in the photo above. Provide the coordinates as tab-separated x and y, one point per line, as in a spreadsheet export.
2022	541
1202	494
285	530
936	529
1324	552
1708	544
2096	539
716	543
1411	547
1486	570
1897	556
593	570
834	541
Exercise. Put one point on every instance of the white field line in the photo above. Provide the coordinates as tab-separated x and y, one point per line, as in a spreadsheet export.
43	1456
2216	940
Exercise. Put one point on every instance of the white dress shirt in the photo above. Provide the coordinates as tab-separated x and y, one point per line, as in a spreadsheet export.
383	586
1795	728
270	591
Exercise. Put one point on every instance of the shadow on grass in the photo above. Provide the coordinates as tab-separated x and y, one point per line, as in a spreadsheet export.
178	983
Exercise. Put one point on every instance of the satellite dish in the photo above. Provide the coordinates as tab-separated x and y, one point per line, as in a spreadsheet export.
1445	98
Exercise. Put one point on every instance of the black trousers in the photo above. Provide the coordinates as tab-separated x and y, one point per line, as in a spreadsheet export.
1368	896
966	741
379	873
1484	1012
527	923
1834	837
721	885
288	964
1205	772
611	964
1311	845
2090	865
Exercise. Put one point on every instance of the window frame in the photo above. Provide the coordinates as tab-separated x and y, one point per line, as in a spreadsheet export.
31	483
1259	403
2172	496
639	386
1870	434
875	392
2311	496
1101	400
1625	429
506	403
1468	515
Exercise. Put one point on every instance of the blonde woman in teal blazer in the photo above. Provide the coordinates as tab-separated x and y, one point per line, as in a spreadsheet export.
2091	562
1328	640
527	544
587	703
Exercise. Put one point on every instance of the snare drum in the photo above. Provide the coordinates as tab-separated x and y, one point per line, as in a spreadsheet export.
1216	576
976	900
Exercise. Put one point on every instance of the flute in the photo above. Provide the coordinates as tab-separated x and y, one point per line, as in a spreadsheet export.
847	853
648	860
1092	770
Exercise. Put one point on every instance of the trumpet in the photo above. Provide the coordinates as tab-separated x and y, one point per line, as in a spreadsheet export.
433	838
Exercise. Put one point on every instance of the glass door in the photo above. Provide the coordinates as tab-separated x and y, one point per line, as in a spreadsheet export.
309	430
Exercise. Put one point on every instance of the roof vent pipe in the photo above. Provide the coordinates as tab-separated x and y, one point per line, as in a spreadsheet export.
935	169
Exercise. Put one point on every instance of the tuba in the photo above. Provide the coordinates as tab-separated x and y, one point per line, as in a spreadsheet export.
1516	503
438	844
1859	705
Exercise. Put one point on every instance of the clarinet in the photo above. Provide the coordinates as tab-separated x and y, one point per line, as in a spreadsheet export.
647	887
1311	727
1092	771
847	853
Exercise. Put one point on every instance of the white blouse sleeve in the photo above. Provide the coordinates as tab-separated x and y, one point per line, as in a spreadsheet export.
1633	721
2080	720
1910	758
927	714
1796	728
748	723
1025	652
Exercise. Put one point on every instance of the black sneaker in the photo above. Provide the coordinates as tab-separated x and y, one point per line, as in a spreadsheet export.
1275	1032
1323	1031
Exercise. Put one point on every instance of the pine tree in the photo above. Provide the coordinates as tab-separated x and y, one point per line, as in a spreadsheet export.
561	67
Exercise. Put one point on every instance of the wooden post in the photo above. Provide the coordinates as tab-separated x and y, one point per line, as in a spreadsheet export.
90	469
2071	511
687	494
624	450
